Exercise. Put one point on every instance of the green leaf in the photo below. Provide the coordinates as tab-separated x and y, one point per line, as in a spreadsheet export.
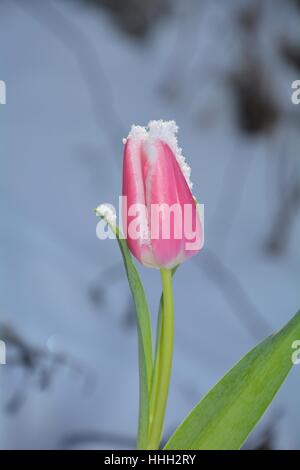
144	334
227	414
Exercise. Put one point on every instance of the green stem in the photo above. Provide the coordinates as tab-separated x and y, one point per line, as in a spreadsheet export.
163	363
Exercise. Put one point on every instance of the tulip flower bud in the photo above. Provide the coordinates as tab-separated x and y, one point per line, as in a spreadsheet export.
160	216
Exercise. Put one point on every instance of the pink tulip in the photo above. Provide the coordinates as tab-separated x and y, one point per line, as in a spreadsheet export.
160	217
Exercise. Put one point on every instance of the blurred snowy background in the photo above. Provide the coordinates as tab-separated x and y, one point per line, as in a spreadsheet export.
78	74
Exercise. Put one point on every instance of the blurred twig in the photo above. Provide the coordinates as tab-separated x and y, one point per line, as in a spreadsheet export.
99	290
231	192
286	214
134	17
107	277
234	293
76	438
35	362
88	61
286	196
178	62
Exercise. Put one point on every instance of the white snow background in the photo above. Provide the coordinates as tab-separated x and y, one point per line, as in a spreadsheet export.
75	84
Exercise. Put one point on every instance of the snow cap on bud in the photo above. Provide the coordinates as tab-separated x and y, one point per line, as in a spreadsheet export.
160	216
